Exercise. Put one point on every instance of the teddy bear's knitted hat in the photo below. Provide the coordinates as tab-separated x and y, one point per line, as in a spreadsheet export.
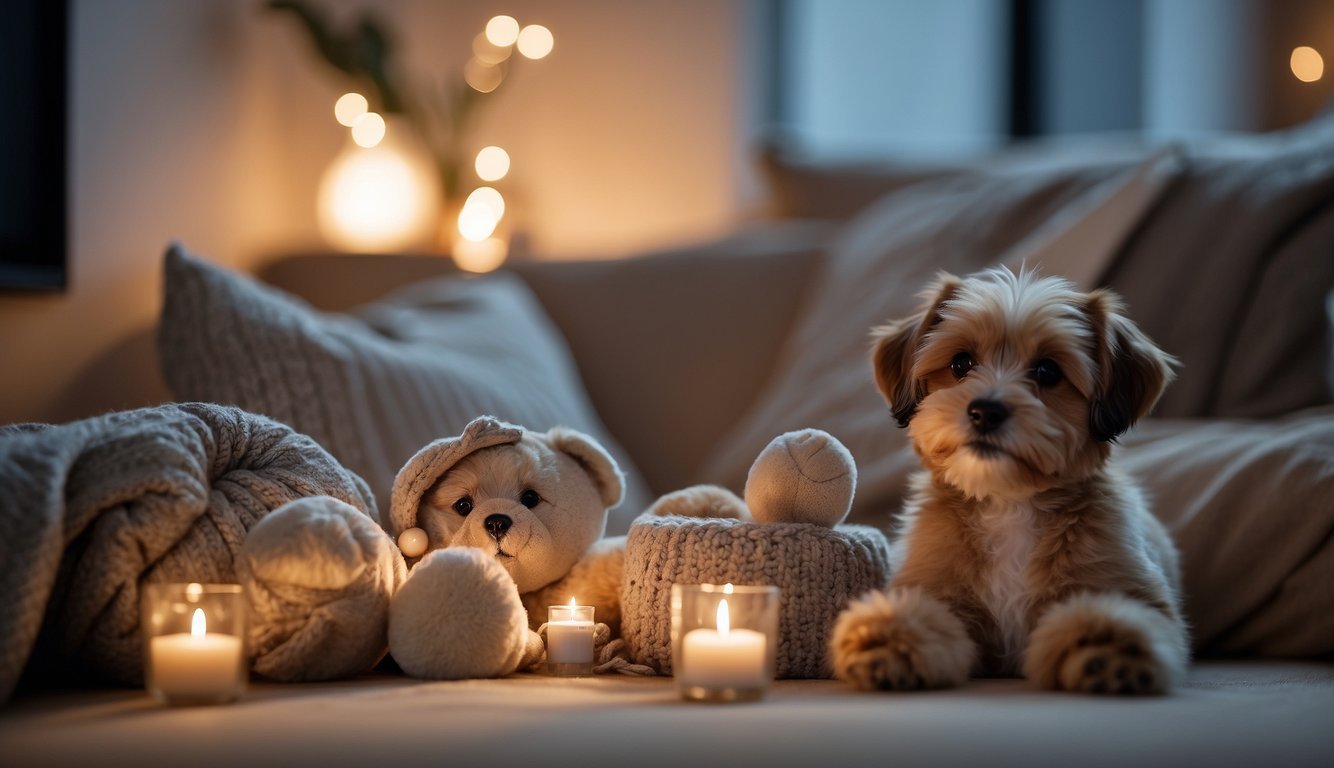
428	464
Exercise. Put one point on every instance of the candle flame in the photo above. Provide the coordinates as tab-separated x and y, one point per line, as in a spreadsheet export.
724	618
728	588
572	602
198	625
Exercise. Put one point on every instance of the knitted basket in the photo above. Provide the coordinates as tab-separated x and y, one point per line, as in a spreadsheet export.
817	570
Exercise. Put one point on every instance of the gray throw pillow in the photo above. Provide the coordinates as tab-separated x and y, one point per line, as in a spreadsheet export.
374	385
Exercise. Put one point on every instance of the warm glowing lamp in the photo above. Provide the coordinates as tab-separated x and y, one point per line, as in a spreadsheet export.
478	249
535	41
349	107
492	163
488	52
477	222
379	198
480	256
502	31
1307	64
488	198
368	130
481	76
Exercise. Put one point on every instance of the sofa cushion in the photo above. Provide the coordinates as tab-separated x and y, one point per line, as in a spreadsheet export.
1232	270
814	186
374	385
1250	504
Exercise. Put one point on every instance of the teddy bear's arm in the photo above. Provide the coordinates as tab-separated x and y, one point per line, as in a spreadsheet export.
595	580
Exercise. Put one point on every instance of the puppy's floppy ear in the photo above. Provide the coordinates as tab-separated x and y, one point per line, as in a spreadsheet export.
593	459
896	345
1132	370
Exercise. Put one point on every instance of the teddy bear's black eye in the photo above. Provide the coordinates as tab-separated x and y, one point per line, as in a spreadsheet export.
962	364
463	506
530	498
1047	373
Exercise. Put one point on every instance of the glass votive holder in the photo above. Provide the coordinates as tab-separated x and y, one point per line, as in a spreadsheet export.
724	640
570	640
194	642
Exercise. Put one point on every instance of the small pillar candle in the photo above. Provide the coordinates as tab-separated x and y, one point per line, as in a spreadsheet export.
570	640
723	640
724	658
194	645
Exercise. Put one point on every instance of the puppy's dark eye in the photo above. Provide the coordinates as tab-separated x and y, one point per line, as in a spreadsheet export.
1047	373
463	506
529	498
962	364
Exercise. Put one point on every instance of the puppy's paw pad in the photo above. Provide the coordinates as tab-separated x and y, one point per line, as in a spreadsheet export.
1112	668
1106	643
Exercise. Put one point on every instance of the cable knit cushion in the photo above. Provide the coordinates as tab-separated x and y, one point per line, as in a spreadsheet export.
375	385
817	570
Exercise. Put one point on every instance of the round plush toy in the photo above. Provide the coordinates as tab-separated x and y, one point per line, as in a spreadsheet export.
496	520
806	476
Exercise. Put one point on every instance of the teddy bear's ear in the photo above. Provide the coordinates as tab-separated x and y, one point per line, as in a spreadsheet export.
594	460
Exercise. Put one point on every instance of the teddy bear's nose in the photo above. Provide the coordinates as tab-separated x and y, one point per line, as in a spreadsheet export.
497	525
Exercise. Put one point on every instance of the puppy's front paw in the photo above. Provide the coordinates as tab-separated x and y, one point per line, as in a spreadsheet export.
900	640
1105	644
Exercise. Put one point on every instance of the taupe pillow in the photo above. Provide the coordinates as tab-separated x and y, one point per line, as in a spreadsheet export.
1231	272
1250	504
374	385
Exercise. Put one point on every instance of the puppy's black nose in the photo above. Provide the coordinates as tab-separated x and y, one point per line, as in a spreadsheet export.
497	525
987	415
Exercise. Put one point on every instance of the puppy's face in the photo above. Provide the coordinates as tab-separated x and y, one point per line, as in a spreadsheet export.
526	504
1011	385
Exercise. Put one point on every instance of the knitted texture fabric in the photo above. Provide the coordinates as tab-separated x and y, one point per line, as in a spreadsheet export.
817	570
374	385
91	510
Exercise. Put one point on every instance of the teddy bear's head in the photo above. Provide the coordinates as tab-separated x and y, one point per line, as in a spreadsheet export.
534	501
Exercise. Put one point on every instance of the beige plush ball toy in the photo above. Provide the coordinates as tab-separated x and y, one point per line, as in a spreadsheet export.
806	476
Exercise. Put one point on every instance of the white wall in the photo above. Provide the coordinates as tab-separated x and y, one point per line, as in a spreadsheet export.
209	121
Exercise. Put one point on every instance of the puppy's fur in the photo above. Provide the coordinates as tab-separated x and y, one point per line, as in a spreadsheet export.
1022	551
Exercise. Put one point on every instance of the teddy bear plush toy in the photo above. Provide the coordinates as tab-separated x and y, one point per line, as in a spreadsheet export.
491	527
487	522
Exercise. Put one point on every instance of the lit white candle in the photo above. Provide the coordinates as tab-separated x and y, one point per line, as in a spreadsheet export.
725	657
570	634
197	665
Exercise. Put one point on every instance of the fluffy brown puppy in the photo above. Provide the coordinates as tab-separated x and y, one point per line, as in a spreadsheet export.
1022	550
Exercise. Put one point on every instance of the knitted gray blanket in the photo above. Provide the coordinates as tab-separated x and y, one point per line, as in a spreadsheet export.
92	509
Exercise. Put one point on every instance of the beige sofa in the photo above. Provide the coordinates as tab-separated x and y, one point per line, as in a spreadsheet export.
689	360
